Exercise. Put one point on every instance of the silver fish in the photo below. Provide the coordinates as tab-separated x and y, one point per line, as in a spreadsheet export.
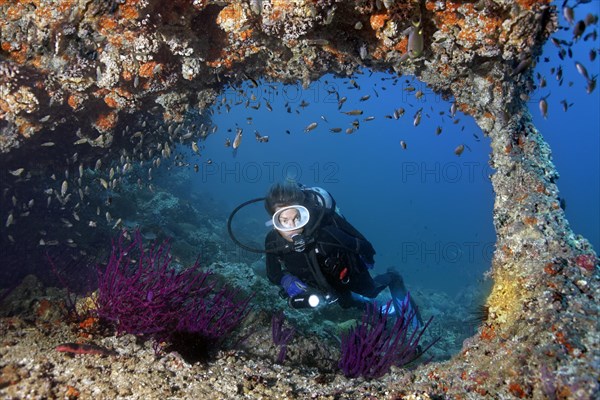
569	14
310	127
417	117
581	69
9	220
64	187
398	113
238	139
17	172
260	138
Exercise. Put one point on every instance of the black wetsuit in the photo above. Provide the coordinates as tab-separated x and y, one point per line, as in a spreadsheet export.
341	269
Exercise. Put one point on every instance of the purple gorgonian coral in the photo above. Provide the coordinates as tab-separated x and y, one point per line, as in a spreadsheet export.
378	342
139	292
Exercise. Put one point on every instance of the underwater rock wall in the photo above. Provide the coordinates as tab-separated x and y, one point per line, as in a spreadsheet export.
96	63
87	68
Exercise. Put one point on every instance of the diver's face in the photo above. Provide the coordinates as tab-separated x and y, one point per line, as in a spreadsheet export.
289	218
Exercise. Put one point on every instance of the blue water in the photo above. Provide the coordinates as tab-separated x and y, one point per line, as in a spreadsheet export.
427	211
574	136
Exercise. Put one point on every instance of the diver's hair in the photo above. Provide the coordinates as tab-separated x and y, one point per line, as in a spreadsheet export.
283	194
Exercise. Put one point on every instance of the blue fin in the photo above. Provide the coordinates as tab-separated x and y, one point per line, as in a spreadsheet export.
401	299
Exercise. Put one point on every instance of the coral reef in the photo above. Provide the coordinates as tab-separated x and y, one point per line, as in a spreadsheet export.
82	71
139	293
100	64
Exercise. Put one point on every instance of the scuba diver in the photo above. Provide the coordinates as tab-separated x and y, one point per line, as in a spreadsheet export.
318	257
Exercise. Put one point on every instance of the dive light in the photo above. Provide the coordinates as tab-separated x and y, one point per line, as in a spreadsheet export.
309	299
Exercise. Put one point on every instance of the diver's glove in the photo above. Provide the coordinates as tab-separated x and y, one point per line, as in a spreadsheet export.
292	285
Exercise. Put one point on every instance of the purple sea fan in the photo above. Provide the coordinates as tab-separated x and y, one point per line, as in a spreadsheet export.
371	348
214	316
139	293
281	336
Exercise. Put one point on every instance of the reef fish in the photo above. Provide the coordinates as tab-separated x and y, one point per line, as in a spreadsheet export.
581	69
17	172
543	106
310	127
459	150
568	13
414	48
238	139
85	348
417	117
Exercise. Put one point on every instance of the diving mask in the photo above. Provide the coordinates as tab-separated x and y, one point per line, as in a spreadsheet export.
290	218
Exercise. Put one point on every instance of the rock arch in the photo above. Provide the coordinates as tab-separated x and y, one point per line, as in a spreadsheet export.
96	64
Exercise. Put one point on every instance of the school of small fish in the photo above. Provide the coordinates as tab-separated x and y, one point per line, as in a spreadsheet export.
72	192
